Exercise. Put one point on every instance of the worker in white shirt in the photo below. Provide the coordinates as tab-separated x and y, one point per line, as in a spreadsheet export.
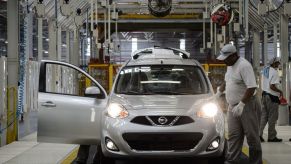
243	116
270	99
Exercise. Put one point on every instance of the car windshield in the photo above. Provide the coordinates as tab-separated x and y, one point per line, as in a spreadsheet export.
161	79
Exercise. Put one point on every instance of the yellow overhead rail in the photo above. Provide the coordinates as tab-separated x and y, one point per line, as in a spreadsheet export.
148	16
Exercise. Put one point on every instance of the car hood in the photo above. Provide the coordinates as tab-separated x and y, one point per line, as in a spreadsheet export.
161	102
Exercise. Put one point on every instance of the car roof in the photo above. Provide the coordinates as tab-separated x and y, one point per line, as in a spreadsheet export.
158	56
164	61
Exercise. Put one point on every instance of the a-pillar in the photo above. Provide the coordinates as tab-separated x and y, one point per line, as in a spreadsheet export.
12	60
284	111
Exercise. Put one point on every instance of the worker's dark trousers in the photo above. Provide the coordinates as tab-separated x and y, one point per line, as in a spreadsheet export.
247	124
269	115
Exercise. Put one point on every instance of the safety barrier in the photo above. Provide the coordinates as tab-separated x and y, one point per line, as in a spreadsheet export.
12	117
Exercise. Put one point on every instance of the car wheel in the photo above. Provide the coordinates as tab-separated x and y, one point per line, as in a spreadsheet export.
99	158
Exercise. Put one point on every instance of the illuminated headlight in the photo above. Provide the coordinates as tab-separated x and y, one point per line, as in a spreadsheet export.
214	144
208	110
110	145
115	110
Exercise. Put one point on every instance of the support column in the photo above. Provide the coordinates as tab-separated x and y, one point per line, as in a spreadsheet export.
275	39
284	111
59	43
256	53
52	52
13	47
75	59
28	54
52	40
3	98
39	39
265	54
68	48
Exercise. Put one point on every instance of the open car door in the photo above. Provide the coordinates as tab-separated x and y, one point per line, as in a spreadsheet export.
70	104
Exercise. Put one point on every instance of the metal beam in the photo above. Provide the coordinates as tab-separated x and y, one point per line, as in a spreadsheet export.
75	59
68	46
275	32
172	21
265	52
39	39
52	40
284	34
256	53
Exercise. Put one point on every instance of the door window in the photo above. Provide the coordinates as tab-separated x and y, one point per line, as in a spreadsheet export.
61	79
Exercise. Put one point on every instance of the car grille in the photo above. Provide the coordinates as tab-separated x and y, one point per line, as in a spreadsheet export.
162	141
168	120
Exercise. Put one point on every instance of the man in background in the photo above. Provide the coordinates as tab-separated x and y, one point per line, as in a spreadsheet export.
270	99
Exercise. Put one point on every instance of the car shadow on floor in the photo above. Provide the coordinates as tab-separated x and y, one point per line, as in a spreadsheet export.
244	160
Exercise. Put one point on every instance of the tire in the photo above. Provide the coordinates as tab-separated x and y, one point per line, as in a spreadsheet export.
99	157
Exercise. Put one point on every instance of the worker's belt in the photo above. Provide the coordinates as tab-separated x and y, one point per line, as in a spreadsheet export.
274	99
251	98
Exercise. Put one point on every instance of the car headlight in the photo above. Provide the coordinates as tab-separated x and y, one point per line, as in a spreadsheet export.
116	110
208	110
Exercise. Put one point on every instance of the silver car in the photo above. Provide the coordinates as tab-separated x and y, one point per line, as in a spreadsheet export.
161	105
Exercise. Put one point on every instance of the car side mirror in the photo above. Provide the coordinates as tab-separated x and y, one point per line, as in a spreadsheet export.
92	92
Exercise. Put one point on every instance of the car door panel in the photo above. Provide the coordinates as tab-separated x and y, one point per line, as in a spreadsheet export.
66	118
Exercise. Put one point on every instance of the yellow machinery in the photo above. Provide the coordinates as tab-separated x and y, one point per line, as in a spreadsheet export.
12	119
104	74
215	73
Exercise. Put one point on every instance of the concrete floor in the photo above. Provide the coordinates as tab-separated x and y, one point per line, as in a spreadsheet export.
28	151
278	153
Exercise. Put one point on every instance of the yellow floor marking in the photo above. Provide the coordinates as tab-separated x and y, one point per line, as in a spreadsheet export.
245	150
70	158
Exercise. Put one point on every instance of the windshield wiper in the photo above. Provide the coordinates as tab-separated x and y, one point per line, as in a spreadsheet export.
135	93
171	92
129	93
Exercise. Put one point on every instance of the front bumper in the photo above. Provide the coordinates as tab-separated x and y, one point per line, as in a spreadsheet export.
121	131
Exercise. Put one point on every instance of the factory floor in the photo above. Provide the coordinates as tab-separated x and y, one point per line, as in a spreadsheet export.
28	151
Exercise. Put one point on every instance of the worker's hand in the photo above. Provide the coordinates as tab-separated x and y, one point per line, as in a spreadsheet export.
218	94
238	109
